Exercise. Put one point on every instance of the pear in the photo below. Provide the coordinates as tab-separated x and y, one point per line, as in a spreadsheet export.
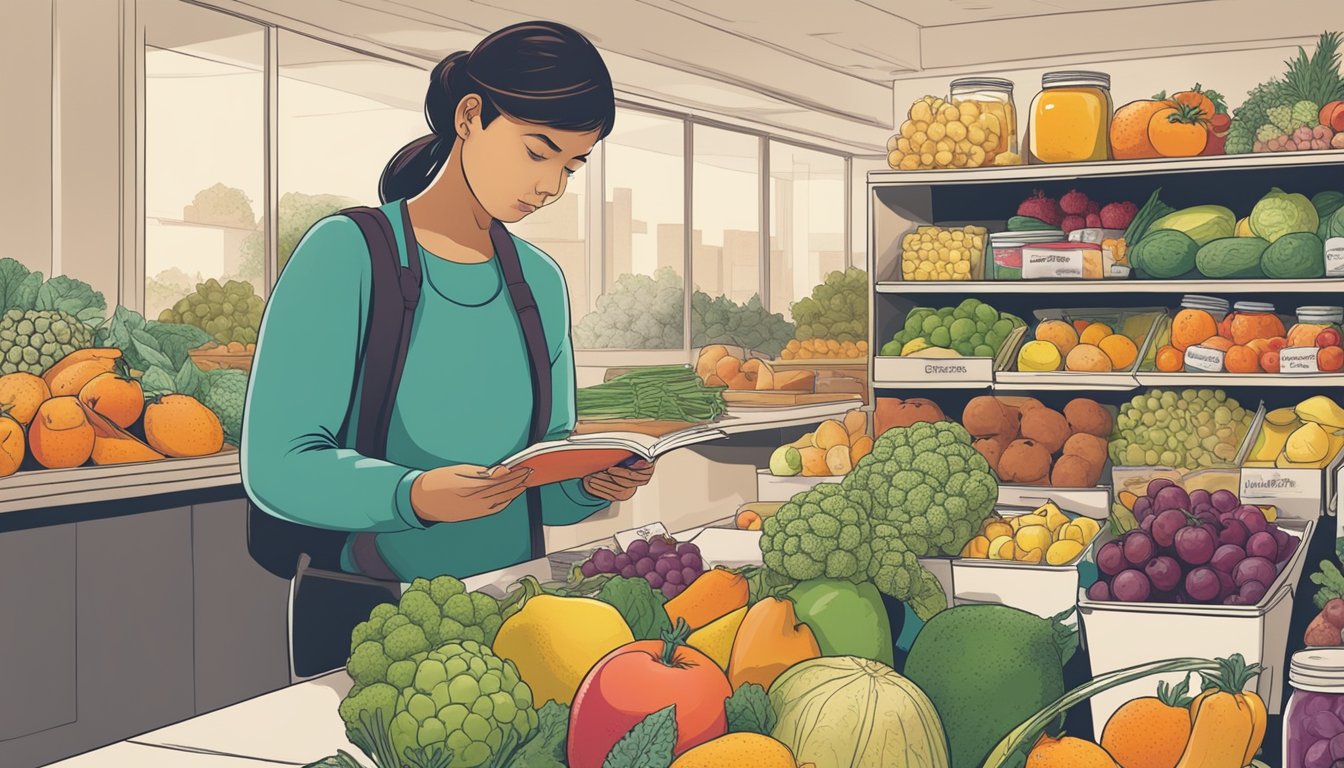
1309	444
1272	440
786	461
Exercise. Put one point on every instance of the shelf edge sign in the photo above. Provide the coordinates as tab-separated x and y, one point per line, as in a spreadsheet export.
1334	257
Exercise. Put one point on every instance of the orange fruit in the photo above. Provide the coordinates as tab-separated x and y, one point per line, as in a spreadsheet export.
1059	333
11	445
1094	333
1241	359
1068	752
1170	360
1330	359
1217	342
60	436
1147	733
23	394
1122	351
1191	327
1129	129
179	426
117	397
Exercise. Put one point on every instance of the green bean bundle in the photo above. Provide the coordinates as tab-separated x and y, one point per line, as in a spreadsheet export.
664	393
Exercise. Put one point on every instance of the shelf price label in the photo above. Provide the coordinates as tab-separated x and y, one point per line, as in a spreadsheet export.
1270	486
1334	257
1299	360
1204	359
1052	264
624	538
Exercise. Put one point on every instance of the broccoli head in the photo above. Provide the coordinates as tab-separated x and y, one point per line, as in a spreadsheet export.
466	700
822	532
926	485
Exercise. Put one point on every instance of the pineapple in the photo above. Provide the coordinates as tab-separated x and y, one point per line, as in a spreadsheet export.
1316	80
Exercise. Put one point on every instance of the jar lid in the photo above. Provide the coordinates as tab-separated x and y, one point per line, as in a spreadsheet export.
1317	668
1075	77
1209	301
982	82
1253	306
1320	310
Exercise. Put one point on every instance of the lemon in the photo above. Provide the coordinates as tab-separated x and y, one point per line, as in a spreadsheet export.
1063	552
1002	548
1033	537
1037	356
1034	556
554	641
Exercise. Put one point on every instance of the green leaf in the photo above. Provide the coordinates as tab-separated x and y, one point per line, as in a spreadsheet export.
341	759
639	605
191	380
649	744
147	349
175	340
749	711
157	381
547	747
71	296
18	286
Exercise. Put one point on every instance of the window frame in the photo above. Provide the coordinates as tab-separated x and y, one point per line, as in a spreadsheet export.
134	173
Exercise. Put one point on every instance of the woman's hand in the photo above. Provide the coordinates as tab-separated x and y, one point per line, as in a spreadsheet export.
465	492
618	483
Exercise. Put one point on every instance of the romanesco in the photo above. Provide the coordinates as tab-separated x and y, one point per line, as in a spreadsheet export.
33	341
225	396
1306	113
1267	133
819	533
1281	115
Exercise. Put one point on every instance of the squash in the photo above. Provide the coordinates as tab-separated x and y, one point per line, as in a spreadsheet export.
715	594
1202	223
770	640
844	711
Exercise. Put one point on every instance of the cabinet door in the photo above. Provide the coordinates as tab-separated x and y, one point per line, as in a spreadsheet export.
242	632
37	630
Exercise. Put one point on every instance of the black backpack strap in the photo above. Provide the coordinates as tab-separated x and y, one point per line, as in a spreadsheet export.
393	296
539	359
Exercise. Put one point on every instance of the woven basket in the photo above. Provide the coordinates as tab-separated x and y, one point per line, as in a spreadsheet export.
211	359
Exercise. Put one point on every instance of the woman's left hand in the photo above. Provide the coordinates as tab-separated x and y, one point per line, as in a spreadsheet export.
618	483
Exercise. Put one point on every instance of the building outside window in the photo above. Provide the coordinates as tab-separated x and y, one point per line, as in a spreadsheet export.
807	222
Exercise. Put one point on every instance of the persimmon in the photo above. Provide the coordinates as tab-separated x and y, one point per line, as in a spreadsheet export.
1219	343
1170	360
1330	359
12	442
1178	131
1199	99
180	426
1129	129
1191	327
23	393
60	436
116	396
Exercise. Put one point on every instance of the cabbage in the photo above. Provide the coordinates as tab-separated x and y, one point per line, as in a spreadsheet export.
848	712
1336	228
1279	213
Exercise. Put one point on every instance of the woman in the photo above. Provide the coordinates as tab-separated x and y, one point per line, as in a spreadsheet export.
511	121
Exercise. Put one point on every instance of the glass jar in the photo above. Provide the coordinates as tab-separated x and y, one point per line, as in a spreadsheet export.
1071	118
1315	709
1216	307
1006	250
1331	316
991	96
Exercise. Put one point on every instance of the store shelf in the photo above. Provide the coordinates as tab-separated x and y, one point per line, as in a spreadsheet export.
1070	287
47	488
744	420
1130	168
1017	381
1318	380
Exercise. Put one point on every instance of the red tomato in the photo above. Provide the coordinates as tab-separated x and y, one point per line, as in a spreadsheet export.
638	679
1327	338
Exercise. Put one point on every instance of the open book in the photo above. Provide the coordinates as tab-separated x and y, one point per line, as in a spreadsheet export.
582	455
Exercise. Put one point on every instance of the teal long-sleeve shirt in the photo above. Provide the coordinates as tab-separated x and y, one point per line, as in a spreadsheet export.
465	398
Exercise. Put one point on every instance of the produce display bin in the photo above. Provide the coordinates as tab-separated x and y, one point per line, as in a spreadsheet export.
1297	493
1039	588
1092	502
1135	479
939	373
1121	635
1145	320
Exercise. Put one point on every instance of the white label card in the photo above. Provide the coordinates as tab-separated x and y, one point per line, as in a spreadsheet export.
1267	486
624	538
1204	359
1334	257
1299	360
1050	264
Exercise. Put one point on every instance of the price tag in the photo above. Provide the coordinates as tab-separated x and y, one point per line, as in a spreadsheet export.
1270	486
1051	264
1334	257
624	538
1204	359
1299	360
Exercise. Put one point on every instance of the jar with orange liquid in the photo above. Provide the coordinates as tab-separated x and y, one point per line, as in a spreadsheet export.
991	96
1071	118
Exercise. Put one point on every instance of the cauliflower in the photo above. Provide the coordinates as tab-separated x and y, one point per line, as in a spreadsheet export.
465	699
818	533
33	341
225	396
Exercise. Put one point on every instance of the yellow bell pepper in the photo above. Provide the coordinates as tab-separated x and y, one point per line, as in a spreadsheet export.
1227	723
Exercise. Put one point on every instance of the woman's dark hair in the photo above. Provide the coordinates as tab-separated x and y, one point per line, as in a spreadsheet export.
538	72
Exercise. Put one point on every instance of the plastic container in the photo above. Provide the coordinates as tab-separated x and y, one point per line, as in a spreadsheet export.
1123	635
991	96
1138	324
1317	678
1071	118
1006	249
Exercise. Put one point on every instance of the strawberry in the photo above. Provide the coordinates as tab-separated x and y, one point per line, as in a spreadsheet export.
1038	206
1074	203
1118	215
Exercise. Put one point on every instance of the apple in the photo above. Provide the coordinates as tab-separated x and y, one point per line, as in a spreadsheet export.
1269	361
1332	116
1278	343
1327	338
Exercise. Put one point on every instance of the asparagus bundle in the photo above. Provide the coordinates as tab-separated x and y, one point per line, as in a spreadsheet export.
664	393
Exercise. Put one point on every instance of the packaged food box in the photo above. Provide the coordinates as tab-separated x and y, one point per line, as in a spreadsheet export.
1006	250
932	253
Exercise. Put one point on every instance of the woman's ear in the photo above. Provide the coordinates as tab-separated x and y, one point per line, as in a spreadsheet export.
468	115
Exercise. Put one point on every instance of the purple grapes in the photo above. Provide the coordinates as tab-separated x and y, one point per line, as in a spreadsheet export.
1170	497
1195	544
1202	585
1155	486
662	566
1099	591
687	548
1252	592
1234	532
1143	508
621	562
1131	586
604	560
661	546
670	590
1165	526
629	572
638	548
1111	558
1255	569
1138	548
1224	501
655	580
692	560
643	566
674	577
689	575
1252	518
1164	573
1226	557
1262	544
1199	497
1289	549
589	569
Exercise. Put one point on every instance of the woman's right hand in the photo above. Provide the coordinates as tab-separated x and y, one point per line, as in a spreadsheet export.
465	492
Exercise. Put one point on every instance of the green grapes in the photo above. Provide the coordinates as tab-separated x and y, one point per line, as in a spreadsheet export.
228	312
1191	429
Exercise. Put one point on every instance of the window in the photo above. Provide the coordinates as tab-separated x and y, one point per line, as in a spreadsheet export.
807	222
726	218
638	288
560	230
204	167
342	116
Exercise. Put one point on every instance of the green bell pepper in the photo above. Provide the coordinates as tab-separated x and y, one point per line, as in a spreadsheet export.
847	619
